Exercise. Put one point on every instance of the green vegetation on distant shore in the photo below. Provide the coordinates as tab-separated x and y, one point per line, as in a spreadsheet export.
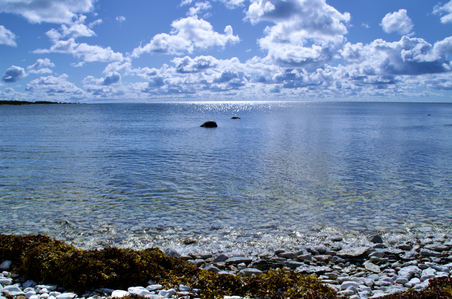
45	259
2	102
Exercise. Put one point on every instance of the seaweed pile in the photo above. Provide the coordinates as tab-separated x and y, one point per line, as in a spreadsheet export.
42	258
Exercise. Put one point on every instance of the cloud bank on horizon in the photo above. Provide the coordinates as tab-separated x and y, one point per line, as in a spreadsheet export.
110	50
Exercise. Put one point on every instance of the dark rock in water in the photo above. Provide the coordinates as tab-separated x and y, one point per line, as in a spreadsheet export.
220	258
188	241
376	239
209	124
235	117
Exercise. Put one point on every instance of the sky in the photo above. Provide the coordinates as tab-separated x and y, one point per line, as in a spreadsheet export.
187	50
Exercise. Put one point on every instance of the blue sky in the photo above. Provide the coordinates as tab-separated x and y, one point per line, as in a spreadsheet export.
188	50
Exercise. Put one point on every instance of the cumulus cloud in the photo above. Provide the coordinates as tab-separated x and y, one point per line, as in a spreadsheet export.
41	66
83	51
13	74
52	11
299	18
76	29
54	87
397	22
121	19
7	37
394	65
305	34
199	64
188	34
445	11
110	79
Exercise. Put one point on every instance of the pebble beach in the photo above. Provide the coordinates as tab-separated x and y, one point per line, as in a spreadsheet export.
356	266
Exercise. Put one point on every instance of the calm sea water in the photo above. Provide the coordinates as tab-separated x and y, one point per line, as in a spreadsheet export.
115	171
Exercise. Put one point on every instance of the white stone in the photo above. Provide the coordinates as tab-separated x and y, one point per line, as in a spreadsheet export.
401	280
421	286
119	294
352	252
66	296
29	294
167	293
347	292
13	290
371	267
347	284
44	296
413	282
140	291
6	281
154	287
54	294
232	297
184	288
250	272
428	273
409	272
34	297
368	282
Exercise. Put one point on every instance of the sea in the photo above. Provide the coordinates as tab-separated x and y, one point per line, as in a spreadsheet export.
147	174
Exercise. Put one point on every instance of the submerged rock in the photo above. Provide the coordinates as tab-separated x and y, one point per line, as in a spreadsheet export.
209	124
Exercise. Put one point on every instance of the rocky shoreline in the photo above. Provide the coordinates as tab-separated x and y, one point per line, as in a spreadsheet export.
368	267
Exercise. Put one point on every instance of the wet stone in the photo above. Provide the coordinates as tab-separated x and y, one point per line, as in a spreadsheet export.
221	258
371	267
312	269
250	272
238	260
376	239
353	252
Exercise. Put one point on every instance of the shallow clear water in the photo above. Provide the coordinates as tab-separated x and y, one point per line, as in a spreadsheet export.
114	171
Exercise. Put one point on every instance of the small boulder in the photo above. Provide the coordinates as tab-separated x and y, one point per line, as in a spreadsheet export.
235	117
376	239
209	124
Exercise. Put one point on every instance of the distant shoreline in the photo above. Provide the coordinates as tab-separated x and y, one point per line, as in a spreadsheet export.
31	103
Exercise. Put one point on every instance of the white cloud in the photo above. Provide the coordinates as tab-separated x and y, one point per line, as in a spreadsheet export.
75	30
397	22
186	2
400	64
52	11
84	52
41	66
299	18
110	79
96	22
445	11
7	37
55	88
199	6
233	3
305	34
121	19
14	74
188	34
